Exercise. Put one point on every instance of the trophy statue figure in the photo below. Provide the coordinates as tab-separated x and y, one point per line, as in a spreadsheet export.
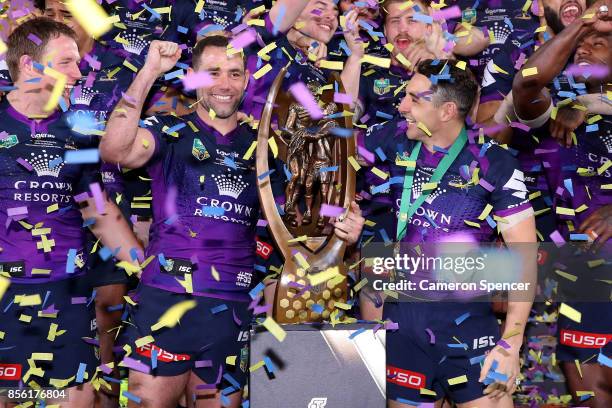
310	143
318	173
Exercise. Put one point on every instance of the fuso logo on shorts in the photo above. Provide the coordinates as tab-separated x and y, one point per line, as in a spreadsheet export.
162	355
10	372
263	249
405	378
584	340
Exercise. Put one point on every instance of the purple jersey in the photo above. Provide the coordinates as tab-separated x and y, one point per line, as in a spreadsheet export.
299	69
205	208
456	199
498	19
583	181
381	91
43	227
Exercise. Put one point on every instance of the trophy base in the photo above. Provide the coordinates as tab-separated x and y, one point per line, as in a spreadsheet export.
297	300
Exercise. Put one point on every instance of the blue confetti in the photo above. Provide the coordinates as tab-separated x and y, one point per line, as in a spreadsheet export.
212	211
81	373
218	309
462	318
70	265
82	156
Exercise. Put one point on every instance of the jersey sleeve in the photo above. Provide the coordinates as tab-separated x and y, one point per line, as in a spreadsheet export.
88	173
509	193
160	128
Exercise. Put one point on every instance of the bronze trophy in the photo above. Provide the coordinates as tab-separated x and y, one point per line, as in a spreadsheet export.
304	236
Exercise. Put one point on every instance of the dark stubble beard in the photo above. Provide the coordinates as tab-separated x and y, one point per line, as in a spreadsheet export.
553	20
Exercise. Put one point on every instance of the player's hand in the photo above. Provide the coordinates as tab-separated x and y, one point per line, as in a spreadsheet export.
417	52
566	121
601	20
435	42
599	225
351	34
162	56
252	15
507	364
320	51
349	228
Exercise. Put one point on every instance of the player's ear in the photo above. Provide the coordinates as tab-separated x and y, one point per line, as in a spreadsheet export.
190	71
26	66
448	111
247	75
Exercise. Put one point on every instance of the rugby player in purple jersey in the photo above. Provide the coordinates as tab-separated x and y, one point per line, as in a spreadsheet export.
203	236
587	42
46	203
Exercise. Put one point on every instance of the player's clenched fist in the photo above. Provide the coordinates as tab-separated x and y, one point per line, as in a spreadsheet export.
162	56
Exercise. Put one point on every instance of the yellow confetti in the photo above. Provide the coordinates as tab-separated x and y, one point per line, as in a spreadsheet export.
378	61
565	211
129	300
343	306
31	300
90	15
354	163
173	315
274	328
250	151
273	146
578	367
333	65
461	65
25	318
430	186
425	391
144	341
529	71
472	224
422	126
570	312
214	273
4	284
485	213
58	88
604	167
298	239
457	380
257	366
231	360
262	71
379	173
566	275
302	262
499	70
199	7
36	271
324	276
3	47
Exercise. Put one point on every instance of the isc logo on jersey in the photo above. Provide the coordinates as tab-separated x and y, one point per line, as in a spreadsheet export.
405	378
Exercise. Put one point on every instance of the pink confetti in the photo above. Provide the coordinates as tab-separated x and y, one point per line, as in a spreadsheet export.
504	344
3	135
91	77
25	164
486	185
170	202
128	98
343	98
447	13
301	93
262	223
16	211
105	369
557	238
79	198
197	80
81	300
93	62
366	154
331	210
594	71
203	363
96	192
32	37
521	126
243	40
135	365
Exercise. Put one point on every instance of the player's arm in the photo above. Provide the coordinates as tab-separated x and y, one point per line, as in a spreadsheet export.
111	228
531	99
124	142
289	11
351	73
519	233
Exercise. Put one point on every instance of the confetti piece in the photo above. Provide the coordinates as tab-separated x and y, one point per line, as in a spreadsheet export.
316	279
301	93
173	315
274	328
529	71
570	312
262	71
197	80
462	318
331	210
82	156
90	15
457	380
381	62
4	284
